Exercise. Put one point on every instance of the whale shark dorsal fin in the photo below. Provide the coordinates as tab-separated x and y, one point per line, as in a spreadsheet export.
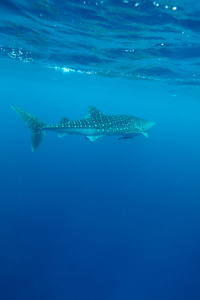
64	120
93	113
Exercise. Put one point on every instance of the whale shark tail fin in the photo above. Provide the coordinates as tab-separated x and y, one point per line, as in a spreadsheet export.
34	124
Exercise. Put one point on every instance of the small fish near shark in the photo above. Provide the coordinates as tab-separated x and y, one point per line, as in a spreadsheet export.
93	126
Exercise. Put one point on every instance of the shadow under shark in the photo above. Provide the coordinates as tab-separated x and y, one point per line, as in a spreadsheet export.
93	126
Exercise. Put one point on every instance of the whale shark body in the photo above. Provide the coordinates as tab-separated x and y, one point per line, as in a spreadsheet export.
93	126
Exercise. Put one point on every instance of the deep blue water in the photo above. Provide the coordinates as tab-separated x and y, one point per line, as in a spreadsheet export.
109	219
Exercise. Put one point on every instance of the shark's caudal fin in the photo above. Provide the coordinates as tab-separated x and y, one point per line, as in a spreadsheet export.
34	124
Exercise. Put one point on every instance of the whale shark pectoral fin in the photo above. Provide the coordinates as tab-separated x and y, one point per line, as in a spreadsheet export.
145	134
93	138
61	134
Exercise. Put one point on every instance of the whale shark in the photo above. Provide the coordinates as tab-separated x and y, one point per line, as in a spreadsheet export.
94	126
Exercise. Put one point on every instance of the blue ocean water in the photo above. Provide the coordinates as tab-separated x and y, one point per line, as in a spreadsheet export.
110	219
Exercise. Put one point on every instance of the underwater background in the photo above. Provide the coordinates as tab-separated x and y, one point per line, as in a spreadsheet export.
110	219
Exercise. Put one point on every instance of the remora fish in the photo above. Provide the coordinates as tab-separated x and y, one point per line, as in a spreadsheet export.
93	126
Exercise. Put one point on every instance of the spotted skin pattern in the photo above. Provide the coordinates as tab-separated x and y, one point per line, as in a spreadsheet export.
93	126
